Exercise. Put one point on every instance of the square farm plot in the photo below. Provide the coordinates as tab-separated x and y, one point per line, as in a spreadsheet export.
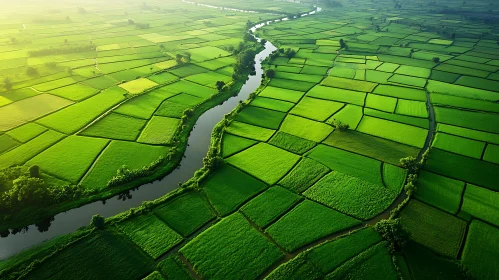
482	248
306	223
150	234
262	158
138	86
70	158
159	130
231	249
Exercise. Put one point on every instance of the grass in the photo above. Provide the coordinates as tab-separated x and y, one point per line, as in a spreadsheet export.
351	195
229	188
75	92
374	263
458	145
145	106
316	109
481	203
492	153
154	276
171	109
62	161
260	117
273	104
25	152
290	84
349	84
116	126
419	122
101	82
468	133
207	53
232	144
394	177
163	78
364	168
425	264
259	159
281	94
16	95
7	143
401	92
307	222
439	191
463	168
299	77
73	118
374	147
138	86
26	132
188	70
473	120
172	268
460	91
118	259
191	88
337	94
250	131
186	213
330	255
445	100
186	99
482	246
305	128
350	115
381	102
159	130
303	175
26	110
402	133
434	229
112	158
150	234
269	205
231	249
297	268
291	143
411	108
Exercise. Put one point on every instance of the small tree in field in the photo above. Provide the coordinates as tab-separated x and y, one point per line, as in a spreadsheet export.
436	59
340	126
7	84
97	221
34	171
220	85
408	162
342	44
392	231
30	71
270	73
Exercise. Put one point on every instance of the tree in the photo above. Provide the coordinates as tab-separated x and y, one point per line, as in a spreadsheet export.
82	10
187	56
130	21
220	85
263	42
270	73
97	221
30	71
13	40
65	41
178	58
408	162
436	59
340	126
392	231
7	84
28	190
34	171
342	44
68	18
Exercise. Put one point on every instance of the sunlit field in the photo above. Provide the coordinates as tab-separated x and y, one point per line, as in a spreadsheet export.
363	144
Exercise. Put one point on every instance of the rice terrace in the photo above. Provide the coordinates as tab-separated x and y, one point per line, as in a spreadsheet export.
256	139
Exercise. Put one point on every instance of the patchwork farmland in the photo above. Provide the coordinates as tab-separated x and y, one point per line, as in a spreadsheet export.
370	150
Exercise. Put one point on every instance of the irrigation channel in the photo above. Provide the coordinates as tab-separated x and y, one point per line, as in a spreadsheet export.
198	145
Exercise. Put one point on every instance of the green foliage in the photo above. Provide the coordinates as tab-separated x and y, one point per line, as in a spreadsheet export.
291	143
303	175
98	221
270	73
34	171
63	49
409	162
173	268
481	249
392	231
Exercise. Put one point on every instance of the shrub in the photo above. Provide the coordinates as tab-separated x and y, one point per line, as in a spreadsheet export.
97	221
340	126
392	231
436	59
34	171
408	162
